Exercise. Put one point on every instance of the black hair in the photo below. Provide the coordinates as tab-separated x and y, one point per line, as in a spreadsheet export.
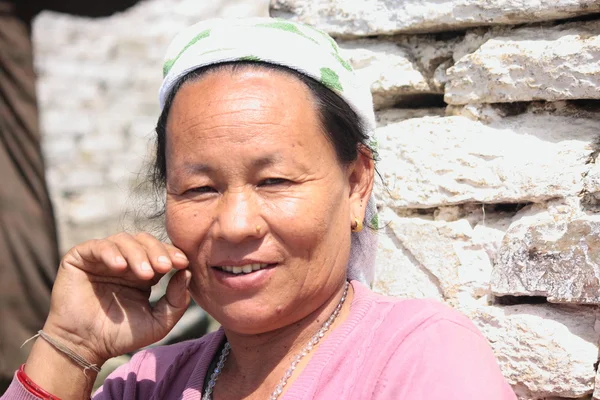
341	125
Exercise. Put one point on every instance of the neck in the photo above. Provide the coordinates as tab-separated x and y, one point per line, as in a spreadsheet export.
263	359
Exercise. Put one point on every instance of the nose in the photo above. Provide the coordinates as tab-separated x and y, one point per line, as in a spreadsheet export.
238	217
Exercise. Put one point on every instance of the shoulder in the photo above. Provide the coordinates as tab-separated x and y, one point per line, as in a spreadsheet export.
406	317
424	350
150	366
157	360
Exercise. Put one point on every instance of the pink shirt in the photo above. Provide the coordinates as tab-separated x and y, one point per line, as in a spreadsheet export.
386	349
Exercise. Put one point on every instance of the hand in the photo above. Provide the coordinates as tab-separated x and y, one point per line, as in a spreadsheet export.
100	301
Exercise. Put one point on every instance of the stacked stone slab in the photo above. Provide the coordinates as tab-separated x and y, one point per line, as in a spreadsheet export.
489	128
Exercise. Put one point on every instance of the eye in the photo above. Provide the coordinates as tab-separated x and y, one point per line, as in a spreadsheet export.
201	190
273	181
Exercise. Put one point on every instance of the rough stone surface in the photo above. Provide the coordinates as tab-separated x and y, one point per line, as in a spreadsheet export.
398	274
591	188
384	17
390	71
555	256
444	256
495	113
433	161
394	115
596	393
541	63
406	70
545	351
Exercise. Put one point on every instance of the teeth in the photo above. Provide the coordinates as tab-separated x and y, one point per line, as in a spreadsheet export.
246	269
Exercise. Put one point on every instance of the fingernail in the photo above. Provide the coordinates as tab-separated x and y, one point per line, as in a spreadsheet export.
145	266
164	260
187	280
120	260
181	255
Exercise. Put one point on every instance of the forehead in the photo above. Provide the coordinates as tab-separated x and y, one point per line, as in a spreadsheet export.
250	106
254	92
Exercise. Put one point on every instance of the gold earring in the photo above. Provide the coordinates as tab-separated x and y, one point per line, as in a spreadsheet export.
357	226
257	228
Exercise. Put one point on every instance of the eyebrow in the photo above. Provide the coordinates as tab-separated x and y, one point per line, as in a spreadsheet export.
202	168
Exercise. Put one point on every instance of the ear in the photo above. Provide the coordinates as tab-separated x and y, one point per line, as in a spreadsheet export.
361	173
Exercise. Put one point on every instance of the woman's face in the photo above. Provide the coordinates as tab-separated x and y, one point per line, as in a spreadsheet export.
254	185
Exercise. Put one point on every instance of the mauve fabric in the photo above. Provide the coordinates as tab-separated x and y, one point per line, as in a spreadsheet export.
386	349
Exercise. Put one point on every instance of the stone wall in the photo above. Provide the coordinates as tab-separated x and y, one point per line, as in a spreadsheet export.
488	137
489	127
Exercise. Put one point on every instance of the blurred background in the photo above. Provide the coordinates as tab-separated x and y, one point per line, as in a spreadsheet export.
98	83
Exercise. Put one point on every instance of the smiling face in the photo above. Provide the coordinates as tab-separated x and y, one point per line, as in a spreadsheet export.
252	182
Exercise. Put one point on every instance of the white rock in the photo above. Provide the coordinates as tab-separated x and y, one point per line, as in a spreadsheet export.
402	69
545	351
590	196
495	113
596	394
394	115
430	162
381	17
438	259
550	255
542	63
398	274
388	69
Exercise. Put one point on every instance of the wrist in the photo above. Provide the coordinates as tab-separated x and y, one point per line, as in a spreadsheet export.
32	387
56	373
71	344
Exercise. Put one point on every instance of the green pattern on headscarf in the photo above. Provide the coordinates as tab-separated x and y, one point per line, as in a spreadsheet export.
344	63
215	50
169	63
288	27
374	146
375	221
332	42
330	79
250	58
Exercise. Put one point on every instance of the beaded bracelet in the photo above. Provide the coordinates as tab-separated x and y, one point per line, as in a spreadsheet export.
31	387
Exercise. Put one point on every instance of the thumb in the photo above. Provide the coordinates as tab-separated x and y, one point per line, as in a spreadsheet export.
170	308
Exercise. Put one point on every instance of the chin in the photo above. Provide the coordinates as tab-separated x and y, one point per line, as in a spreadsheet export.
243	322
250	316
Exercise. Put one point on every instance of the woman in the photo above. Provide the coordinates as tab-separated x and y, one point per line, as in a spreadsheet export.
263	150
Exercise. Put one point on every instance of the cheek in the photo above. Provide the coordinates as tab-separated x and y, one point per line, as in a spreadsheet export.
185	225
307	219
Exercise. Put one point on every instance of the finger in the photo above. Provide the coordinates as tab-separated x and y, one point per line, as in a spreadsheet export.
135	254
171	307
96	256
178	257
156	251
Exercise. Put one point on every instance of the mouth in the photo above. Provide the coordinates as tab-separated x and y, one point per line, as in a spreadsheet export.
243	269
